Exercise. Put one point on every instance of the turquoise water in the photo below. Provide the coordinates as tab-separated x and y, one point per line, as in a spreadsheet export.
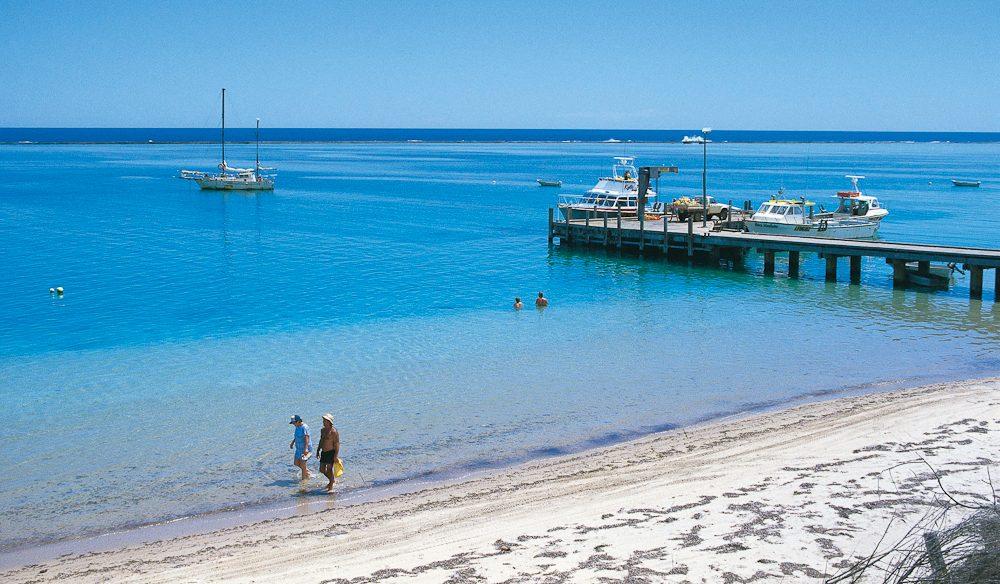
376	283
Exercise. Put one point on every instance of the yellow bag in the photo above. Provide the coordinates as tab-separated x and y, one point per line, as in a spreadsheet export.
338	468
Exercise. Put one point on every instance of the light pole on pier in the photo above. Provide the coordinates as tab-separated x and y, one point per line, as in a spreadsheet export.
704	176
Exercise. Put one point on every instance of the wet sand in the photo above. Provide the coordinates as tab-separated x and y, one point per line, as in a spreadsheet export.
793	494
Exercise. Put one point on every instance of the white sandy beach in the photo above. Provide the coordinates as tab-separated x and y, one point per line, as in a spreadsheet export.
793	494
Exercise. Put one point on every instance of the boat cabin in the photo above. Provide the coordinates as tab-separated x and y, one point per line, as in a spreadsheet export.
784	211
854	203
624	179
604	200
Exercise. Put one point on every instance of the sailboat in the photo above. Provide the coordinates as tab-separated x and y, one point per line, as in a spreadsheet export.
229	178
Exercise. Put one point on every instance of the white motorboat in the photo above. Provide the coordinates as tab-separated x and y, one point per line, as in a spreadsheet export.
611	194
855	204
795	217
229	178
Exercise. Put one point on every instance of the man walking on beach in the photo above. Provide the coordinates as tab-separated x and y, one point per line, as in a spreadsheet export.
301	445
328	450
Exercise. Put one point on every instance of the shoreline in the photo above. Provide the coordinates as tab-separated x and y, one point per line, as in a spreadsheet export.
540	482
311	501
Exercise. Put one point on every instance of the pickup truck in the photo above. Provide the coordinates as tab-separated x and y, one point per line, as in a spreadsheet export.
685	207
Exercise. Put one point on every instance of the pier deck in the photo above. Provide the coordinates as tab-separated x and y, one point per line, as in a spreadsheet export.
693	239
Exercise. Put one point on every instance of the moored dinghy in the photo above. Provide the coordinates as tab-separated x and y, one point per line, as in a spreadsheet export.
965	183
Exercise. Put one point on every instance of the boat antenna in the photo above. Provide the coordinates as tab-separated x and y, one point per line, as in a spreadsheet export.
223	127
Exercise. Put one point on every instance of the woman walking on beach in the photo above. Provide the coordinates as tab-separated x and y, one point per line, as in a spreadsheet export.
301	445
328	450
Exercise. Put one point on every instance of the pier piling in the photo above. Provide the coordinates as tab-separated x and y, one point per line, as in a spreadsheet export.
975	282
642	229
898	273
793	264
855	269
690	236
996	285
831	268
768	263
619	225
552	234
666	236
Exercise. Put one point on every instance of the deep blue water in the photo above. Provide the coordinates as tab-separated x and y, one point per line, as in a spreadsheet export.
376	281
141	135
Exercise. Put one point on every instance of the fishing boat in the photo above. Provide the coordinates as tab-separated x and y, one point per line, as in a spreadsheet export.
854	203
611	194
229	178
965	183
795	217
549	183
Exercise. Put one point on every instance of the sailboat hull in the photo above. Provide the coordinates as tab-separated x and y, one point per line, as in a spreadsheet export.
235	184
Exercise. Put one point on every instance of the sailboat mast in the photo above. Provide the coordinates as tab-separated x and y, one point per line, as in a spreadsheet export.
258	142
223	126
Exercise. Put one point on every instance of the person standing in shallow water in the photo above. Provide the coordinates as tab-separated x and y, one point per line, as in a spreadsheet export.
541	301
328	450
518	305
301	445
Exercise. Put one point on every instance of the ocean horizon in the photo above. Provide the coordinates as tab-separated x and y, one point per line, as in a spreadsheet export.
16	135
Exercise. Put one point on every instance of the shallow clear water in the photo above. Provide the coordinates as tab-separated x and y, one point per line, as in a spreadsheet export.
376	283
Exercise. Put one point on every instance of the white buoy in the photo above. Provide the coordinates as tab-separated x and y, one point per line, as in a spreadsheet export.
59	290
52	290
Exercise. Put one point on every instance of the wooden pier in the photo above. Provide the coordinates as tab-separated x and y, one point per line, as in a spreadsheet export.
716	241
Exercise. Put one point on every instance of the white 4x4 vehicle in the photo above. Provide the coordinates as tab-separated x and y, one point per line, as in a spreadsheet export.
692	207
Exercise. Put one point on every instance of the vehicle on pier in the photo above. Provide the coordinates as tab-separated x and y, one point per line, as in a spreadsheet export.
795	217
611	194
854	203
693	207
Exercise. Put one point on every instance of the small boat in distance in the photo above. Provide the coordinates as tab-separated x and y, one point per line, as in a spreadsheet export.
548	183
229	178
965	183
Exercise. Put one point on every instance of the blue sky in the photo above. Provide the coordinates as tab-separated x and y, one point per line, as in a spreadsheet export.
507	64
